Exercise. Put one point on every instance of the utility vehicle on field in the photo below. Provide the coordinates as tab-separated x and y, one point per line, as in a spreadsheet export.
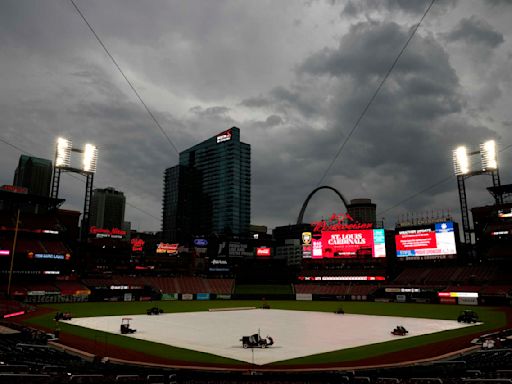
154	311
399	331
256	341
125	326
468	316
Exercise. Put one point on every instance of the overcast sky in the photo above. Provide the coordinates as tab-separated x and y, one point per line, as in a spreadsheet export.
294	76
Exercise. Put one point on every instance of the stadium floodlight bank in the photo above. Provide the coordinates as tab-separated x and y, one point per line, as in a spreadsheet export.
488	159
461	161
63	156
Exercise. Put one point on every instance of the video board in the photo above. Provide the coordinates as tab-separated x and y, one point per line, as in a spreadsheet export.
433	241
349	244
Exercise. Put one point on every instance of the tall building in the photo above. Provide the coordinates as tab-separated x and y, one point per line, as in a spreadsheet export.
107	208
363	211
209	191
185	209
35	174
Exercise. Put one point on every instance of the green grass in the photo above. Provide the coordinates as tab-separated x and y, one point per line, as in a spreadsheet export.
492	318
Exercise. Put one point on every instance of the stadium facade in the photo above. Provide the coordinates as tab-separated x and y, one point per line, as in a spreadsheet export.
209	191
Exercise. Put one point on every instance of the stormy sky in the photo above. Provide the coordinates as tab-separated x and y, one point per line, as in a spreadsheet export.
294	76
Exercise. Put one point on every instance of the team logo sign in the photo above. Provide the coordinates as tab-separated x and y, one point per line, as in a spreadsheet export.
306	237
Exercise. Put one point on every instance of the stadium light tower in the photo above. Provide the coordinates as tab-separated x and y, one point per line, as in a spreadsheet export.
88	169
462	169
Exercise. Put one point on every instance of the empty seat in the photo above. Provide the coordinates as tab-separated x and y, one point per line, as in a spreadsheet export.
129	379
23	378
155	379
86	379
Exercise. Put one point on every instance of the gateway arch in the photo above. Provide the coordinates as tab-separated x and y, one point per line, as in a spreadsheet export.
304	206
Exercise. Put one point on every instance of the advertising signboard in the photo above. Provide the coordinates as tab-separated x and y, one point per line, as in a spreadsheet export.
348	244
263	251
219	265
437	239
224	136
137	245
114	233
171	249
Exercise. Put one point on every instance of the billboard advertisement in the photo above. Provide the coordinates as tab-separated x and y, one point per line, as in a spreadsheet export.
433	241
263	251
114	233
349	244
505	213
137	245
224	136
171	249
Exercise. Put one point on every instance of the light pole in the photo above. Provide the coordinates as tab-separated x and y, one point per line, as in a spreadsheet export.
462	169
12	254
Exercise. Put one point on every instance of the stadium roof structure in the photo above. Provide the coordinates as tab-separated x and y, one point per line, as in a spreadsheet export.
505	191
14	199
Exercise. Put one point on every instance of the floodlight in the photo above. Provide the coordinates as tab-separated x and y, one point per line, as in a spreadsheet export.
90	157
488	155
460	161
63	155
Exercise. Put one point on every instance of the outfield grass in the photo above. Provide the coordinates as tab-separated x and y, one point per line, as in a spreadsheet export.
491	317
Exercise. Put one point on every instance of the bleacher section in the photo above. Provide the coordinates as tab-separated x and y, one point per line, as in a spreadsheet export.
480	274
486	280
55	246
27	357
166	285
71	287
335	290
30	361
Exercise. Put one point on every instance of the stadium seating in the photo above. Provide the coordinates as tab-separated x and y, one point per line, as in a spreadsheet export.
55	246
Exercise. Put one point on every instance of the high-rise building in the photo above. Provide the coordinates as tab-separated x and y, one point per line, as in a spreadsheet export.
35	174
107	208
210	190
185	209
363	211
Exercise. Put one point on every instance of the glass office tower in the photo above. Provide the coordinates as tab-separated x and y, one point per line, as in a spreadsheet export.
210	190
107	208
35	174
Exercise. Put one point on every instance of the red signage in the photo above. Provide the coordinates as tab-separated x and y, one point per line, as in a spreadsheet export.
14	314
224	136
341	278
366	243
437	239
14	188
339	222
263	251
137	245
104	232
416	240
167	248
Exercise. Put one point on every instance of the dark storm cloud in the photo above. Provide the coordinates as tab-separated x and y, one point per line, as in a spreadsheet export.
256	102
475	31
369	48
499	2
293	77
209	112
355	7
410	129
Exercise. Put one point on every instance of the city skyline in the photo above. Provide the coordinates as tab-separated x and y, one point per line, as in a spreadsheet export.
294	77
